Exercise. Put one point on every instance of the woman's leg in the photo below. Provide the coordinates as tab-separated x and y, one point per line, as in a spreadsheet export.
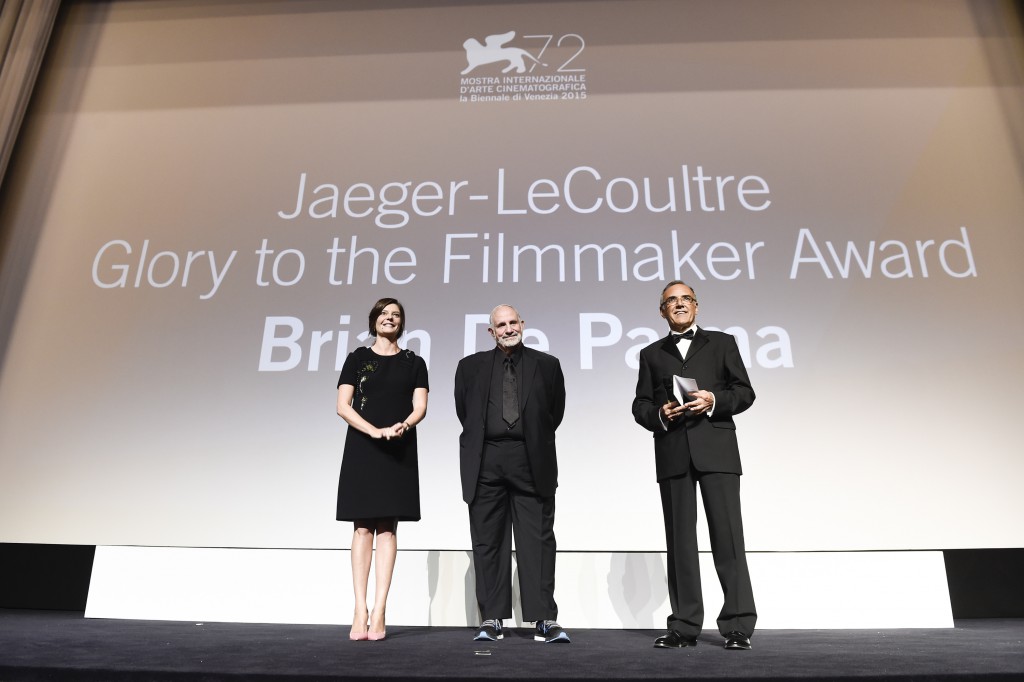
384	567
362	553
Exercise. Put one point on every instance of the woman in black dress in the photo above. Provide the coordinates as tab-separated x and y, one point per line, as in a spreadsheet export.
382	395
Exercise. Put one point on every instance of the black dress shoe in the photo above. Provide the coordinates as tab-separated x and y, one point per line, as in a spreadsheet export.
674	640
737	640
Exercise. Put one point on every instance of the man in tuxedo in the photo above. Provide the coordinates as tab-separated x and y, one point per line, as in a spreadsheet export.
695	442
510	400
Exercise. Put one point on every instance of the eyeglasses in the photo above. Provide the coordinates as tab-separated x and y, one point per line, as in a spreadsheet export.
673	300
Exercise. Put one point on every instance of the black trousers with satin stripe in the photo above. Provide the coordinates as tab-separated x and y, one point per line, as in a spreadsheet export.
721	495
506	502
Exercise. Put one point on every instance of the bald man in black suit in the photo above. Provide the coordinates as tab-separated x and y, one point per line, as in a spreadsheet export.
510	400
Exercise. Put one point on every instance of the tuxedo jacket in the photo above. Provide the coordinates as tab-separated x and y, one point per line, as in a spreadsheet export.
714	361
541	406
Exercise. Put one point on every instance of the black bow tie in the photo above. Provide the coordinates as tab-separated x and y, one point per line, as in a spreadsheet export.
688	334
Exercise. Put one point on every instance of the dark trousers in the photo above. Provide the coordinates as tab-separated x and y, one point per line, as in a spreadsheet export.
721	495
506	501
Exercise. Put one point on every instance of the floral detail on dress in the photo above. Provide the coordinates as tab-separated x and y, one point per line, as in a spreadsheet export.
362	374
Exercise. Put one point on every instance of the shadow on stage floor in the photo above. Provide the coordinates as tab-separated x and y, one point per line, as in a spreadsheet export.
54	645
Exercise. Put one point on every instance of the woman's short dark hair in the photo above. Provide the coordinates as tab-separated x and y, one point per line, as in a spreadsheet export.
379	307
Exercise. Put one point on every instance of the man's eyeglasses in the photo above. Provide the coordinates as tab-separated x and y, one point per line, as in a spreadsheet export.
673	300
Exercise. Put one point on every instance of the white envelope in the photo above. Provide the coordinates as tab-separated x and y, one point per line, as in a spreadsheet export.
681	386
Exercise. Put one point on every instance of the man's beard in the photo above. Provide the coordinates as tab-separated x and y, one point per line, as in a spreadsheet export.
509	341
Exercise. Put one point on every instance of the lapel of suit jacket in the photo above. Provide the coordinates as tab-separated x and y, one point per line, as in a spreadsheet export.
700	339
486	371
668	344
529	370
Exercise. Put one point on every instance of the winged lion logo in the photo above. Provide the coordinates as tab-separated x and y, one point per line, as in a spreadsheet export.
493	50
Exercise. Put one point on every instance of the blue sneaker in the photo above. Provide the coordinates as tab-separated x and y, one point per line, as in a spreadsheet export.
549	631
490	631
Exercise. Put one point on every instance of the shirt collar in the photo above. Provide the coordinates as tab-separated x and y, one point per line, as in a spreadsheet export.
515	355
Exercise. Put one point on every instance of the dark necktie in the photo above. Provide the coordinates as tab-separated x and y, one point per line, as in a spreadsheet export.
688	334
509	394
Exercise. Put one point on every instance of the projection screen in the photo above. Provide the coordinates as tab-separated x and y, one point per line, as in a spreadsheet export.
207	199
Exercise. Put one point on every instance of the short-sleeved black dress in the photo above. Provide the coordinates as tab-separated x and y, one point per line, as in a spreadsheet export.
380	477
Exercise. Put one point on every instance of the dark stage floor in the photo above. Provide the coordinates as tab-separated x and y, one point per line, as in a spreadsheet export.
48	645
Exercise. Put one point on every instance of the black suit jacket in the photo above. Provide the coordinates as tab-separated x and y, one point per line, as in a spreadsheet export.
541	406
714	361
